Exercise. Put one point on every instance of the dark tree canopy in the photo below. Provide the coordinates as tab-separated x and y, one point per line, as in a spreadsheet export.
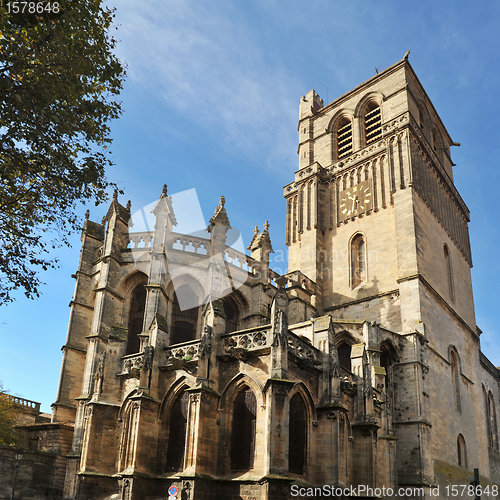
59	83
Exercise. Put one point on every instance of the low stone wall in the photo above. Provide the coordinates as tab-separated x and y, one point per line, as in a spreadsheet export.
34	478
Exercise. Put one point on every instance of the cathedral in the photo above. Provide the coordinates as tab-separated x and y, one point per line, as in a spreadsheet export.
192	369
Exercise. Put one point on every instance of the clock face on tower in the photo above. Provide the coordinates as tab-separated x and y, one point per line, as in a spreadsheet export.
355	200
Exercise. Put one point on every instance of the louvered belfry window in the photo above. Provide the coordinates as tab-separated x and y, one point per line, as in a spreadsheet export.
373	124
297	441
177	433
344	138
243	430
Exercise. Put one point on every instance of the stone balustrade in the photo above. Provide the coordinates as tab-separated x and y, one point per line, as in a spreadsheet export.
303	350
132	365
137	238
187	351
248	340
22	403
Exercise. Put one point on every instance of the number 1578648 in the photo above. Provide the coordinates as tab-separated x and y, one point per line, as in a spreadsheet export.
32	7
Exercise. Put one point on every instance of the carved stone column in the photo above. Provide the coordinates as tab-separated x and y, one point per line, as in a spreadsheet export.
201	435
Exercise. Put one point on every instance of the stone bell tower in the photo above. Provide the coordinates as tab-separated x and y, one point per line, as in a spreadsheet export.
375	220
373	215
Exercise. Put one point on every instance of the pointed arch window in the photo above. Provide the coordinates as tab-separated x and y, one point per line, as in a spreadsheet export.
232	315
344	351
384	363
297	439
184	321
358	260
177	433
449	273
344	138
455	375
373	123
492	422
136	318
243	429
461	451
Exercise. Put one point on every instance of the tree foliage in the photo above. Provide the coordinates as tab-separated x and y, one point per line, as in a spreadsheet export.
9	435
59	83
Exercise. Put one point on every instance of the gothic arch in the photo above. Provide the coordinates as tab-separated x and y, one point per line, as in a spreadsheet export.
369	131
491	419
180	385
461	451
339	120
299	435
133	306
169	403
341	113
185	324
358	259
301	388
449	272
455	375
243	425
388	357
239	303
185	279
343	343
234	386
376	97
344	337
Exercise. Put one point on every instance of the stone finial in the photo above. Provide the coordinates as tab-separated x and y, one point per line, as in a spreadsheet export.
406	56
261	240
103	220
220	217
164	191
129	205
87	214
115	195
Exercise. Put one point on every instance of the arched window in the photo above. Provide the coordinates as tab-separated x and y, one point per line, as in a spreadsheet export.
136	318
184	322
388	356
384	363
358	260
492	422
344	351
435	140
243	430
455	375
177	433
449	273
232	315
421	116
461	451
373	123
297	438
344	138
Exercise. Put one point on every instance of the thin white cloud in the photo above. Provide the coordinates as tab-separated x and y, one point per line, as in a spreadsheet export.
204	60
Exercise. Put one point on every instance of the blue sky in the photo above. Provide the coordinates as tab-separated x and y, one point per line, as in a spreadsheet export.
211	103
